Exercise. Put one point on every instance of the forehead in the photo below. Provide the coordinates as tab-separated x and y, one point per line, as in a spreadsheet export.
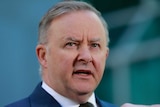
79	18
77	23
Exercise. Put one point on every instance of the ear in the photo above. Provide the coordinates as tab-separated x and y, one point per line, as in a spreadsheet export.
41	55
107	52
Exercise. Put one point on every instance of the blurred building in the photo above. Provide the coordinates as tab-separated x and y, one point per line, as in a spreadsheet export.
133	68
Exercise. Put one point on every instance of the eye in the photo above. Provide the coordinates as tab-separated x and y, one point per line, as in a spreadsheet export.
95	45
71	44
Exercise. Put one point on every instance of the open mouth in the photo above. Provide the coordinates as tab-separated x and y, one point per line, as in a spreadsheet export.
83	72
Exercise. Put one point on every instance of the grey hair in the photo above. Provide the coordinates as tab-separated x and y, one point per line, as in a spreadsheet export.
64	8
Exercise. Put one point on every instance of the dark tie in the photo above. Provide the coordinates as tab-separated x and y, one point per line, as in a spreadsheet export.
87	104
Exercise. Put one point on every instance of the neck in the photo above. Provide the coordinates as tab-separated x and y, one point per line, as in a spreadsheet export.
78	97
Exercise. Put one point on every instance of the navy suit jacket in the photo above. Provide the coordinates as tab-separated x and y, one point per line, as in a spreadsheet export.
40	98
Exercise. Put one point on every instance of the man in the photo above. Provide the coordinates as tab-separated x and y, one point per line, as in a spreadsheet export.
72	51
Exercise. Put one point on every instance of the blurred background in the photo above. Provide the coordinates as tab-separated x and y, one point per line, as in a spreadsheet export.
132	71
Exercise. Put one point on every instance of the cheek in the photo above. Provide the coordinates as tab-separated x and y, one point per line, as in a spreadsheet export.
60	67
63	61
66	64
100	63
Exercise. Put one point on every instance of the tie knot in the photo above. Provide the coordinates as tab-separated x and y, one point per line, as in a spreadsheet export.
87	104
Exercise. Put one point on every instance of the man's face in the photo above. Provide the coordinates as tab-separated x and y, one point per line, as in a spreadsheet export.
76	52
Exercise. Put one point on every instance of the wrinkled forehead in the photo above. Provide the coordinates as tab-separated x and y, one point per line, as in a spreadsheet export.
78	25
76	16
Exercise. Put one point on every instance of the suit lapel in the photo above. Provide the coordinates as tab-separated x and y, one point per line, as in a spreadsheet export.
102	103
40	98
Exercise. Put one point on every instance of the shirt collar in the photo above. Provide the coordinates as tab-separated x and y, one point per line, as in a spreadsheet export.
63	101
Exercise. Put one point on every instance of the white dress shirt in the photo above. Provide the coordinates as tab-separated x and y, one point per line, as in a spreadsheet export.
63	101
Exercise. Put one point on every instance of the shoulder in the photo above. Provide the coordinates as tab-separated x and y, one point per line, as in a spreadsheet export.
105	104
26	102
20	103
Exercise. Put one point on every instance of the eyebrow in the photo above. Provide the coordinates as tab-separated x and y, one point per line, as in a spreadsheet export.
71	39
77	40
95	40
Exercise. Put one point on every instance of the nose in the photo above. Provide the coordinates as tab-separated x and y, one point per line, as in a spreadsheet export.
85	55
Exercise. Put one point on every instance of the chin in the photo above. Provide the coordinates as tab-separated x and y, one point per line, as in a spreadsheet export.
85	91
83	88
